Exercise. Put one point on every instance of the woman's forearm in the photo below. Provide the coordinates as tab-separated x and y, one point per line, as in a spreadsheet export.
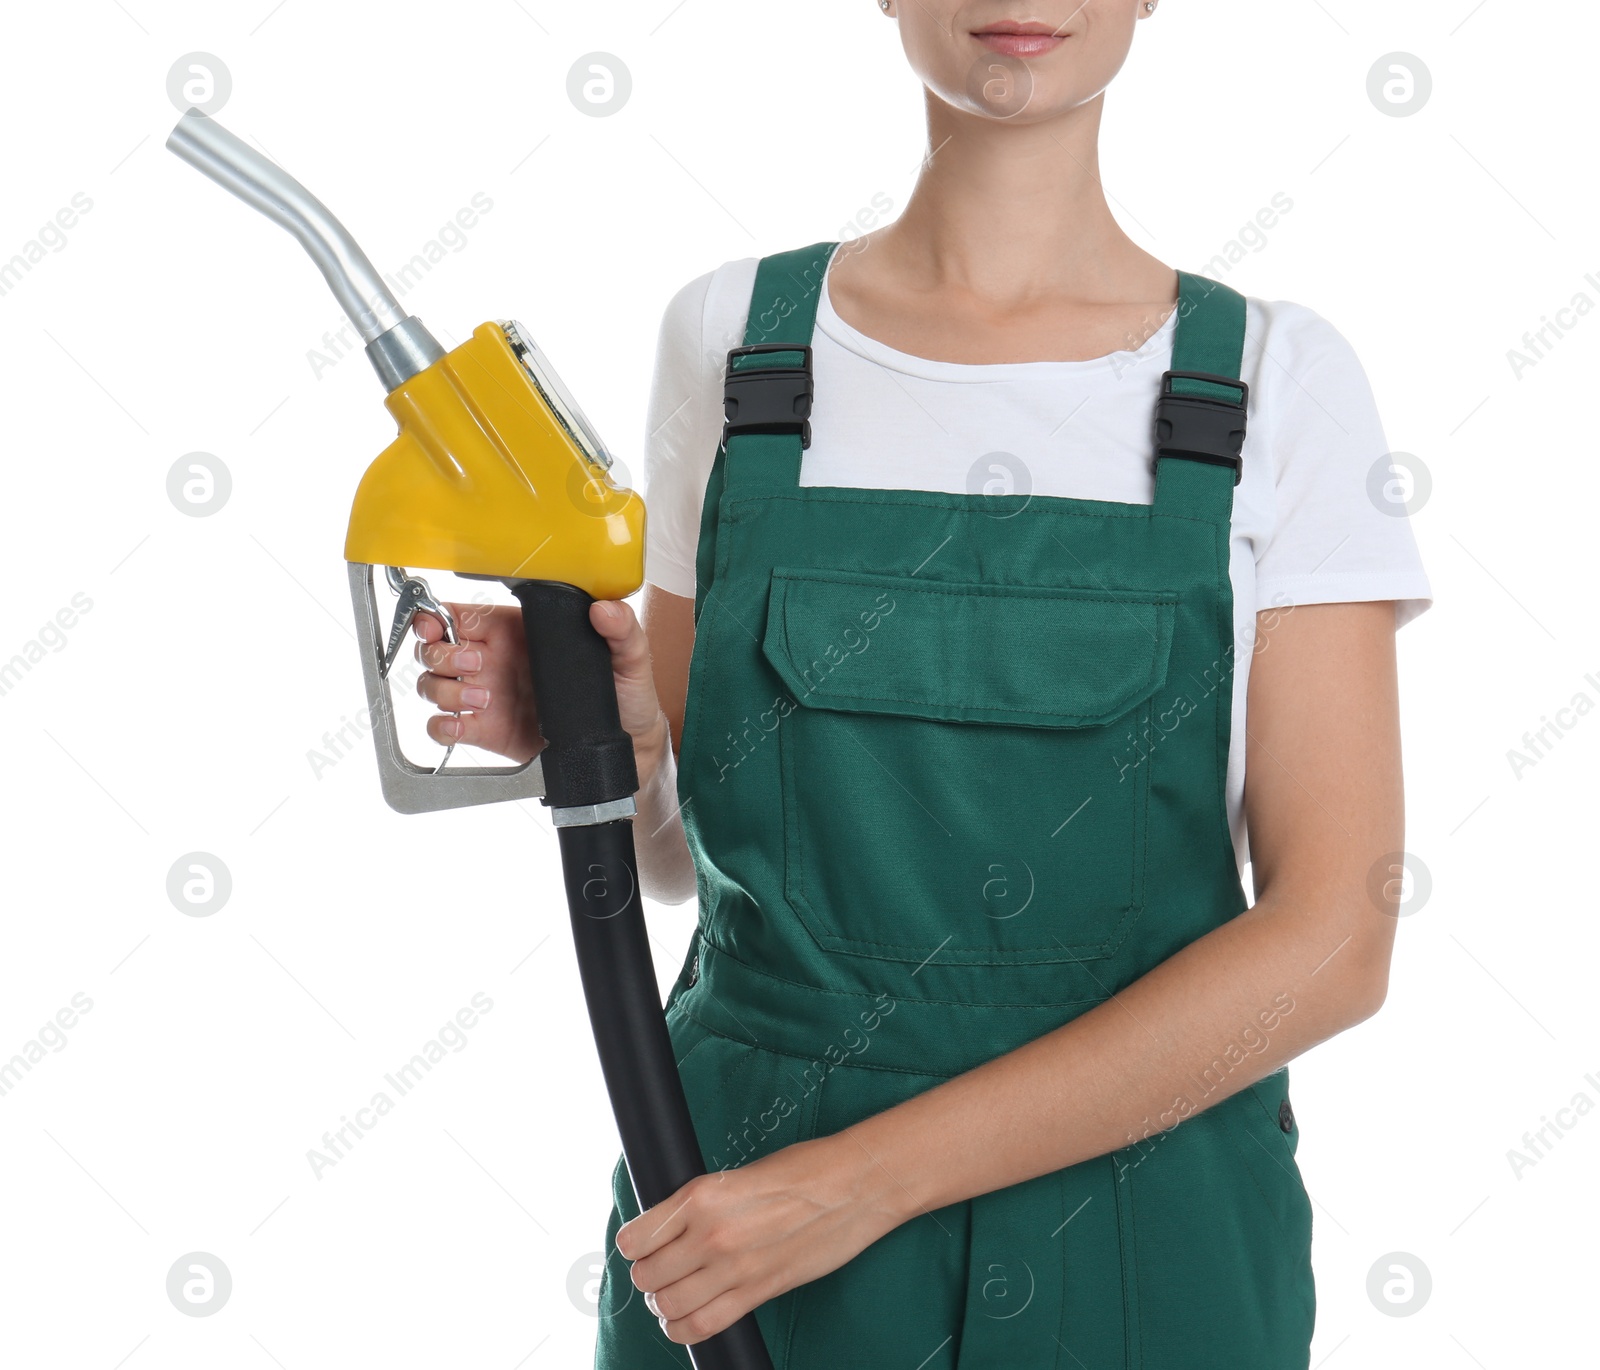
666	870
1226	1011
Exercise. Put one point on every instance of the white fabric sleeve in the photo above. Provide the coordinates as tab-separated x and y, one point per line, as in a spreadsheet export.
684	422
1332	540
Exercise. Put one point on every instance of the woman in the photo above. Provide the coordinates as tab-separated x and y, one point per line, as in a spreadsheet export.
983	1039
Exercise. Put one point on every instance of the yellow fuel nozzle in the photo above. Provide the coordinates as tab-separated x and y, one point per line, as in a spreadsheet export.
497	473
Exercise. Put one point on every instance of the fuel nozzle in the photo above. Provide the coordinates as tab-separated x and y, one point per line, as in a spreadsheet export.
495	473
397	344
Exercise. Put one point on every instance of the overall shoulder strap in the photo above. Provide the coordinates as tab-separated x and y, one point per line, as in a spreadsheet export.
1200	413
767	389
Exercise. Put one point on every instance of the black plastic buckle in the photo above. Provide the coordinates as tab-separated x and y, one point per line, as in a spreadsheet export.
1198	428
768	399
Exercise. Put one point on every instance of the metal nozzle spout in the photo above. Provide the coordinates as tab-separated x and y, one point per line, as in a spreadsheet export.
397	343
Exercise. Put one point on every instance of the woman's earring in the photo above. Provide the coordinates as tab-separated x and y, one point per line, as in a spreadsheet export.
884	5
1149	6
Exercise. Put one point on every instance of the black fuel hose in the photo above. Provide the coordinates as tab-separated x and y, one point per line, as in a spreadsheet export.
588	762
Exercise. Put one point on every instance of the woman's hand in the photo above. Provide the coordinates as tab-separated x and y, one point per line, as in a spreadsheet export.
727	1242
486	677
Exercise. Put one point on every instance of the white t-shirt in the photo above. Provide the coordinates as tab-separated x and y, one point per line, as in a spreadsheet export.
1305	529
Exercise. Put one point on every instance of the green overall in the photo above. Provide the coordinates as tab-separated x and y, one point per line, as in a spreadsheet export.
952	773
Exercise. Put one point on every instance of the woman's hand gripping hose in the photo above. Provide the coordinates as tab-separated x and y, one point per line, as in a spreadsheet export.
487	678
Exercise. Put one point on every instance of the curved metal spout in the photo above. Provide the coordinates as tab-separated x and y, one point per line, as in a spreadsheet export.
396	342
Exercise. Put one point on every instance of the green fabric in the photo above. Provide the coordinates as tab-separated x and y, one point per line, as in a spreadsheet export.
1210	335
953	773
783	309
945	652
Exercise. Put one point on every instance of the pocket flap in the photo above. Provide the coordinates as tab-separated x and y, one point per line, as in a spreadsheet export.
1039	656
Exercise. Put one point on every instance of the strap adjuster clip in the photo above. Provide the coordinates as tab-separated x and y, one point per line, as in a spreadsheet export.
768	399
1202	427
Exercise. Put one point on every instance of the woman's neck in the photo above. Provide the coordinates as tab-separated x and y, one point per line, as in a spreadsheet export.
1012	211
1006	251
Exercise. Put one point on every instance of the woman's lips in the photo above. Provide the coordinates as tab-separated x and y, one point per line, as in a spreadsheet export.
1020	40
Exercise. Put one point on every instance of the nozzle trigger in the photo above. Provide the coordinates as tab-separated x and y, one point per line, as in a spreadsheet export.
415	598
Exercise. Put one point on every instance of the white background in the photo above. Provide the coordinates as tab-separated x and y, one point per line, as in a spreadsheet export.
176	715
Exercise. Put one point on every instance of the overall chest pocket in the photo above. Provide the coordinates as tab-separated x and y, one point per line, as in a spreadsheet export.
960	767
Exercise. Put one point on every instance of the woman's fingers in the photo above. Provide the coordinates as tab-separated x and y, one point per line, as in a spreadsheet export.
483	677
427	627
471	729
688	1310
453	694
620	626
451	681
691	1298
717	1316
637	703
438	655
443	659
657	1226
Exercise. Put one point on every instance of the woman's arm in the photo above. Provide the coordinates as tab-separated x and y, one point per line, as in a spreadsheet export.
666	870
669	626
1324	806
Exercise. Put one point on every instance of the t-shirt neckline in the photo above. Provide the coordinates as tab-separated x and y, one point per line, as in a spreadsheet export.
830	323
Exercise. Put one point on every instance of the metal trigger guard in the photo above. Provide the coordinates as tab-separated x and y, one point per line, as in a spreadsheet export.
408	787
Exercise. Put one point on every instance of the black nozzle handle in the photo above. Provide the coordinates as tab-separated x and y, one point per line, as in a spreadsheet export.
588	760
588	755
